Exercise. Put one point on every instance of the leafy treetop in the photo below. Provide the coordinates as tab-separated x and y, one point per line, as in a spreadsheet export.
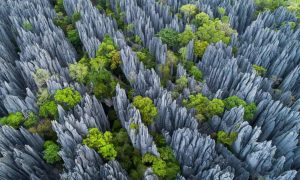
67	97
146	107
101	142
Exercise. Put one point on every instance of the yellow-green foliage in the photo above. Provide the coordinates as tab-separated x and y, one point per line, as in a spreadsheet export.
261	71
234	101
67	97
101	142
226	138
13	119
146	107
204	107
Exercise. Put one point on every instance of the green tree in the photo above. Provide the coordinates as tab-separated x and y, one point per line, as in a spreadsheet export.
51	150
200	47
169	36
215	107
159	167
102	143
48	110
205	108
74	37
78	72
200	19
67	97
195	71
59	6
234	101
146	107
186	36
44	129
76	17
261	71
13	119
215	31
31	120
226	138
181	83
145	57
189	9
250	110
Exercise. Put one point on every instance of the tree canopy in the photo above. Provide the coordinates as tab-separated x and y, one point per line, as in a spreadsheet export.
51	150
67	97
146	107
101	142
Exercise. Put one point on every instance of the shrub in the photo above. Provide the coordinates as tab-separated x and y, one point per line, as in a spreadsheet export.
27	26
13	119
226	138
102	143
51	150
48	110
146	107
31	120
169	36
261	71
67	97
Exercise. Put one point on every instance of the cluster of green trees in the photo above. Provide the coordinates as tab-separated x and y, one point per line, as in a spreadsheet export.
17	119
235	101
99	72
206	108
67	24
208	31
147	109
101	142
292	5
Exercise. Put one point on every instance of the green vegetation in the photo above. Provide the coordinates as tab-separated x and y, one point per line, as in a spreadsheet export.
129	158
261	71
291	5
200	47
169	37
31	120
48	110
96	72
51	150
101	142
78	72
205	108
226	138
234	101
166	167
13	119
44	129
27	26
195	71
133	126
67	24
189	10
146	107
186	36
67	97
145	57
